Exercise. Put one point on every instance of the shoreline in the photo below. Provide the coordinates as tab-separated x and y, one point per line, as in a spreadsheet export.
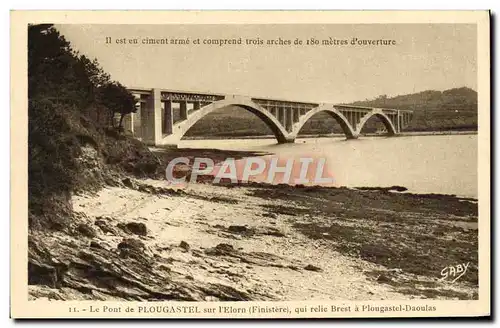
219	155
256	242
263	243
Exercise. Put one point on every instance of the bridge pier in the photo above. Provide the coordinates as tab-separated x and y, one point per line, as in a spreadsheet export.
296	115
168	117
281	115
151	119
183	110
284	140
196	105
288	119
128	123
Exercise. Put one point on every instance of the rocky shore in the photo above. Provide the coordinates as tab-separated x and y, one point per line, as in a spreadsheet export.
141	240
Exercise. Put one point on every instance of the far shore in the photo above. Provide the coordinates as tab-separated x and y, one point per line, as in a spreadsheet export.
335	135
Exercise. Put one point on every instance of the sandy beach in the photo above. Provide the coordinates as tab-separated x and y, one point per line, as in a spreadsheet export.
258	242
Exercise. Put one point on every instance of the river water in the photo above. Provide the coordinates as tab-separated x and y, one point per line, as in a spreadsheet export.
445	164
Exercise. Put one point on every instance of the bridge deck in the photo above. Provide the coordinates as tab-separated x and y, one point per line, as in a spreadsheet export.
162	123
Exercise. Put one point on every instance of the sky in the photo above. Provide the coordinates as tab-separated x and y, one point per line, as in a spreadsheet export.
424	57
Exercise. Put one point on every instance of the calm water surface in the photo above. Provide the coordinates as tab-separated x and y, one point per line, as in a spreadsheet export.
445	164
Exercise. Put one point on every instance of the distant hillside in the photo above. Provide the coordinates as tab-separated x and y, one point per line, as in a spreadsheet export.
454	109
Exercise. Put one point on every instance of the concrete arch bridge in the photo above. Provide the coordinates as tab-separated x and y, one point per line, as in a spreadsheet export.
156	124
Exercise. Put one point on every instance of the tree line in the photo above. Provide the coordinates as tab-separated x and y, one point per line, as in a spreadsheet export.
58	74
72	102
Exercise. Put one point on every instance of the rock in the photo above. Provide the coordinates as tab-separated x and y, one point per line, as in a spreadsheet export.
372	252
128	183
170	260
104	275
134	248
137	228
225	247
311	267
41	274
164	248
197	253
397	188
164	268
86	230
270	215
123	227
111	182
384	278
147	188
220	249
103	224
94	244
184	245
132	244
238	229
271	231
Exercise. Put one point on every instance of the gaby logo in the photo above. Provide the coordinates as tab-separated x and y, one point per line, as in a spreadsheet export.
272	170
453	273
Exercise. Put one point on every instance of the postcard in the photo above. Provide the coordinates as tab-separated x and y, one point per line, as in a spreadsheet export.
250	164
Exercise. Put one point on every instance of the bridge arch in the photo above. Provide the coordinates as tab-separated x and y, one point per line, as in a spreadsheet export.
179	129
391	129
333	112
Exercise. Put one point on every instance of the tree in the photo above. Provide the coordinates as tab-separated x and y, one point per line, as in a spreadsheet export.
55	71
59	74
98	77
117	99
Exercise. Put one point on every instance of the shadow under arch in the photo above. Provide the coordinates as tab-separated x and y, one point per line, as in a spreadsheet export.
180	129
332	112
391	129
